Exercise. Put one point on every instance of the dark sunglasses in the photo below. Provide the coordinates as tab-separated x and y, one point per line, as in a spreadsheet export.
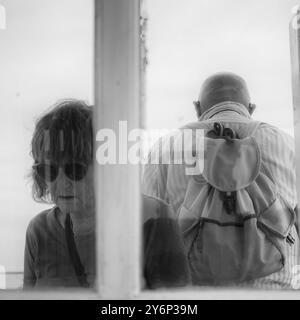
74	171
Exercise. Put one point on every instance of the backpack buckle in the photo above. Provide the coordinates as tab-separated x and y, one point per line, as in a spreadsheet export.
219	131
229	200
290	239
228	135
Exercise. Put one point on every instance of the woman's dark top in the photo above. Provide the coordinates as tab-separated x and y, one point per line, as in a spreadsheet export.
46	260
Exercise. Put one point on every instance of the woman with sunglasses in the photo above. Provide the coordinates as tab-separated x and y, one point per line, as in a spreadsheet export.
60	242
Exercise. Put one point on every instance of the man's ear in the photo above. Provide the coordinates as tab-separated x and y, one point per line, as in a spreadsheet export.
197	108
251	108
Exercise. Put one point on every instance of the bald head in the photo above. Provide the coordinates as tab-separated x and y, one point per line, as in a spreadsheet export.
223	87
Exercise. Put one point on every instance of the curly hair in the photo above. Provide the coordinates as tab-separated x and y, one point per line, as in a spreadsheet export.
64	132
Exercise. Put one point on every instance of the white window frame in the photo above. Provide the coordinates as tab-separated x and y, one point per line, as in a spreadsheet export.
295	70
117	189
117	97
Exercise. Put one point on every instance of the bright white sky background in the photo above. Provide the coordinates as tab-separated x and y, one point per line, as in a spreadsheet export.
189	40
46	53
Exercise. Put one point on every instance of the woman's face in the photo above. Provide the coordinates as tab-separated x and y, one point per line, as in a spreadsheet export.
72	196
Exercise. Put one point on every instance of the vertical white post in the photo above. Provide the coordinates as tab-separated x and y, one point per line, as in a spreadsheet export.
295	65
117	97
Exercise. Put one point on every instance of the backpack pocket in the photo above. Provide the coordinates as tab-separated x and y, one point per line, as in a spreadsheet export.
224	249
227	254
276	222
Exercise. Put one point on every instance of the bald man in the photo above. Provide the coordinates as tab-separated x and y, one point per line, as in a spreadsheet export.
223	87
223	98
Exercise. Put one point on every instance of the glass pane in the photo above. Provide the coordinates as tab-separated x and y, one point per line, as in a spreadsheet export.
230	220
46	56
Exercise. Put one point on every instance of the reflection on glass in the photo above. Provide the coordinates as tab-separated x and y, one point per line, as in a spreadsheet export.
46	53
234	222
60	242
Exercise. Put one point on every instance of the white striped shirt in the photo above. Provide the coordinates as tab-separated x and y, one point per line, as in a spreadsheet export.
168	182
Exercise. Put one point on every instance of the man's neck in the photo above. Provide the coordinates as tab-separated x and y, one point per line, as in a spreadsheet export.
228	107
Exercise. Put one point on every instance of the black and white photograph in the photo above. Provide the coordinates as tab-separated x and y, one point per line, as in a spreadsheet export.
150	150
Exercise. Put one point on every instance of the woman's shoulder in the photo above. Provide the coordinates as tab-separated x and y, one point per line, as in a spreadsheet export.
39	222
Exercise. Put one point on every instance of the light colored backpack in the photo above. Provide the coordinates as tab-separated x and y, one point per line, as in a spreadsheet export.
236	226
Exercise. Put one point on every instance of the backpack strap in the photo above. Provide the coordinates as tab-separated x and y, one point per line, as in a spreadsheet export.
74	256
252	128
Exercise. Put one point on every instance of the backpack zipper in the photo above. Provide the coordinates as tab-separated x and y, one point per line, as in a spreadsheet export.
290	239
200	236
